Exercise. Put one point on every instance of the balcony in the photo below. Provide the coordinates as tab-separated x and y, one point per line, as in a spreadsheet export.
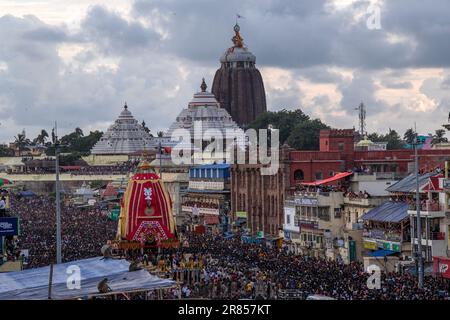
433	236
291	228
428	209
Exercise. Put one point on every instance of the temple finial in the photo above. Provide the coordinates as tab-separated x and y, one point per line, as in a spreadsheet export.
125	106
203	85
237	39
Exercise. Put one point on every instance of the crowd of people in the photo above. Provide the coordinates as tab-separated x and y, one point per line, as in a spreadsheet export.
84	231
214	268
206	265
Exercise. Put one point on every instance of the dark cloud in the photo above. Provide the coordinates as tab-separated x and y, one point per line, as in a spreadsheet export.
115	35
163	48
320	74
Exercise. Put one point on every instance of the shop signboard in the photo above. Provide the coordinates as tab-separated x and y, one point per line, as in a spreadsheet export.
9	226
241	214
370	245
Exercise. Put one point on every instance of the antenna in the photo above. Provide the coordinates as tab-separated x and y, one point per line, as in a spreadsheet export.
362	118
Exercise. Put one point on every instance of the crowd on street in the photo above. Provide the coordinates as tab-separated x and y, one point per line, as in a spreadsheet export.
214	268
206	265
84	231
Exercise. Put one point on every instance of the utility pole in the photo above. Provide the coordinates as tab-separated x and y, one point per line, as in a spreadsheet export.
58	200
160	160
419	222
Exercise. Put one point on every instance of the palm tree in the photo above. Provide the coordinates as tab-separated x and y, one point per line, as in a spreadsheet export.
439	137
79	132
41	137
20	141
409	136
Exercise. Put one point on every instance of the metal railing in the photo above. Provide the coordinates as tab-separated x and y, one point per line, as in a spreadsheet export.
431	207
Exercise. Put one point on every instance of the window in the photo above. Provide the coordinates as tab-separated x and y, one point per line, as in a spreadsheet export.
288	219
319	175
337	213
324	213
341	146
299	175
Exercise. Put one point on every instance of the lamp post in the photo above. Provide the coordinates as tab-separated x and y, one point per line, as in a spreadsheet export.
58	201
419	222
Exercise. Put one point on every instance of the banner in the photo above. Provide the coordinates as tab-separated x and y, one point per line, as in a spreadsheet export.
9	226
441	265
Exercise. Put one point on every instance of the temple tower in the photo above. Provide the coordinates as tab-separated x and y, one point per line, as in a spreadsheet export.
238	85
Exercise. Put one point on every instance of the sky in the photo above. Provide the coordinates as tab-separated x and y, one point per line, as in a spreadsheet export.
78	62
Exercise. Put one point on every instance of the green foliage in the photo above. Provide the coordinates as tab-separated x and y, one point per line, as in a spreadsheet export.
295	128
6	152
439	137
69	159
77	143
394	142
409	136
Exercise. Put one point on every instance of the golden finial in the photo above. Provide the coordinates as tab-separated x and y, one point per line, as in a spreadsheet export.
237	39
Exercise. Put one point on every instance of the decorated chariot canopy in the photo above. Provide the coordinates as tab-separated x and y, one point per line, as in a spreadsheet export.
146	211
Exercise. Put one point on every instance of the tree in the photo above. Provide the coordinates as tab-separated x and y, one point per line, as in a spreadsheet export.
295	128
42	136
392	138
394	141
409	136
160	134
306	135
6	152
77	143
284	121
21	141
79	132
439	137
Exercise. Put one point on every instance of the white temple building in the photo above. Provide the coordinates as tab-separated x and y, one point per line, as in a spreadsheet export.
125	136
205	117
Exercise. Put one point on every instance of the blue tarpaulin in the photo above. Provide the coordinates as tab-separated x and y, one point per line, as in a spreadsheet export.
390	211
27	193
382	253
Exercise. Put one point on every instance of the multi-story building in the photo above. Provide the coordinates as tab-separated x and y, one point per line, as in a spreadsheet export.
386	235
206	201
327	222
313	223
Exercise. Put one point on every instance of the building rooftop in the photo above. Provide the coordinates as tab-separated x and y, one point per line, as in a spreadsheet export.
124	136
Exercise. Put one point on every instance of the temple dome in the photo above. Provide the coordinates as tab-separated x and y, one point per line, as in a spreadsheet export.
124	136
204	108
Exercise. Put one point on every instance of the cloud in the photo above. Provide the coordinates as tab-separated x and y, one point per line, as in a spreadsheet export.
313	56
114	35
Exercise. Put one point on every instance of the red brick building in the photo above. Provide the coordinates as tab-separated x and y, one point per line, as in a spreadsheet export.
337	153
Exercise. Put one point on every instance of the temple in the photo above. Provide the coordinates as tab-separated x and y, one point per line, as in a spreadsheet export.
124	136
204	111
238	85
